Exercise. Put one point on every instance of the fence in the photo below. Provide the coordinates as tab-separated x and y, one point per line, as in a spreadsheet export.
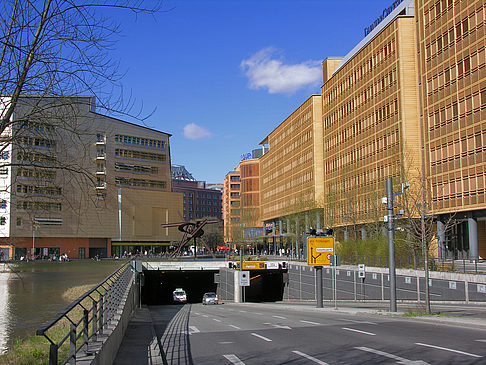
406	262
80	323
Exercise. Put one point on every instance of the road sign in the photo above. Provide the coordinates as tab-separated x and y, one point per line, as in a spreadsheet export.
244	277
251	265
319	250
361	271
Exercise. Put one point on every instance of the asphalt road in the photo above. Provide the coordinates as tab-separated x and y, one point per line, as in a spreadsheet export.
273	334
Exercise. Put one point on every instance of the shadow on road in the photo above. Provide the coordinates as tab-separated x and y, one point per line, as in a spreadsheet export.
171	323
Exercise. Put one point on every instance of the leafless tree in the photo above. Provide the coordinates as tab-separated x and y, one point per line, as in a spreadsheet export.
51	52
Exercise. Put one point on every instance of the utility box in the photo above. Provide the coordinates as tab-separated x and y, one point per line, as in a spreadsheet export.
361	271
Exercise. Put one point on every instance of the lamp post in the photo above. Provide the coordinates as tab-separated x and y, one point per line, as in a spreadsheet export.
391	237
34	228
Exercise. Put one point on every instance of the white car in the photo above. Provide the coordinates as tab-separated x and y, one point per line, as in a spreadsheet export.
210	298
179	295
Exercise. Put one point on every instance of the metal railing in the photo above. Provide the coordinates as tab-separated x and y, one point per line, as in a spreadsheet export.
87	317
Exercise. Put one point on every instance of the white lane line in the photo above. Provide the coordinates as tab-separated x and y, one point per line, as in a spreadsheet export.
258	314
216	320
235	327
481	340
262	337
363	332
353	321
225	342
279	317
242	311
278	326
391	356
233	359
193	329
308	357
196	313
205	315
447	349
309	322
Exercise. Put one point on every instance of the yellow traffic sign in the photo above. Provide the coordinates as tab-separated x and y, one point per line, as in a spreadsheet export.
319	250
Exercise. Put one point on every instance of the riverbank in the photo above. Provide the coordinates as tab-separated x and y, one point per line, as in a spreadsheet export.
33	293
34	350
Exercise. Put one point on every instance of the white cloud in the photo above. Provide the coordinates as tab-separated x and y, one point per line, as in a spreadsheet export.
264	71
193	131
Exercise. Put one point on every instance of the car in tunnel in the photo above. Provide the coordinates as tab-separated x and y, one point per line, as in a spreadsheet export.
210	298
179	296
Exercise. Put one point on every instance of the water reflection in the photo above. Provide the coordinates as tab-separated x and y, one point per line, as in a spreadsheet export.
31	293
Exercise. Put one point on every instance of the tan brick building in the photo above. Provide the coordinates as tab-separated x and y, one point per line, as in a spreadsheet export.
116	200
451	47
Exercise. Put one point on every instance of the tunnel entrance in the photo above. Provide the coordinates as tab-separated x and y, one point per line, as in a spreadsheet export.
265	285
159	285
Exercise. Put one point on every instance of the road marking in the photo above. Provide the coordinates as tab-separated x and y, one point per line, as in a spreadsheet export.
216	320
308	357
309	322
205	315
353	321
259	336
225	342
258	314
363	332
391	356
235	327
196	313
278	326
279	317
242	311
233	359
481	340
193	329
447	349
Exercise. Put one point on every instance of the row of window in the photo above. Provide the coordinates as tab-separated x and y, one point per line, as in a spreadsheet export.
4	155
292	125
136	168
36	142
36	126
140	155
36	157
302	139
46	206
126	181
39	190
296	160
36	173
137	141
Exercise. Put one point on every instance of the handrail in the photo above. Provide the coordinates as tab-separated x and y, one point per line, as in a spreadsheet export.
94	318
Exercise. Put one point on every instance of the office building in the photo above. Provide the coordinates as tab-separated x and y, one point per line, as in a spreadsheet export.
84	184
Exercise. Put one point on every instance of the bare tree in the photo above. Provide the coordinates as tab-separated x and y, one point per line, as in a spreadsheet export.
51	52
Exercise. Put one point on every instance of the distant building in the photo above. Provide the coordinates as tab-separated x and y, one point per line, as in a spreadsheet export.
49	210
200	200
241	200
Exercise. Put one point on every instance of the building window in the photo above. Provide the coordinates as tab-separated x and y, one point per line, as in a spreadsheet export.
3	204
100	137
18	222
3	221
4	155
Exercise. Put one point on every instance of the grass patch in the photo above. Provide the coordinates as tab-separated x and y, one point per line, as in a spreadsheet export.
34	350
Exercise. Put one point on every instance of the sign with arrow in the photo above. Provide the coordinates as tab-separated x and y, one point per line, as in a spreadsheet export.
319	250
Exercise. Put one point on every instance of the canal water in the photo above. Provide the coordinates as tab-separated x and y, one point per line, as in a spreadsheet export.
31	293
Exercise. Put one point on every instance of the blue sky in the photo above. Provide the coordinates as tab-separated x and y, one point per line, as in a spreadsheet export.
222	74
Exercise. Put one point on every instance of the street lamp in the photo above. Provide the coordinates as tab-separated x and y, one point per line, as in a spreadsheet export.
388	200
34	228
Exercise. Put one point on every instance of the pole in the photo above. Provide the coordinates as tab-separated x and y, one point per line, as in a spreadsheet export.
242	288
391	245
335	281
319	293
33	242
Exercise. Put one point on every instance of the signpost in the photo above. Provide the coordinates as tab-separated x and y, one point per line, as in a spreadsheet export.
244	277
320	249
